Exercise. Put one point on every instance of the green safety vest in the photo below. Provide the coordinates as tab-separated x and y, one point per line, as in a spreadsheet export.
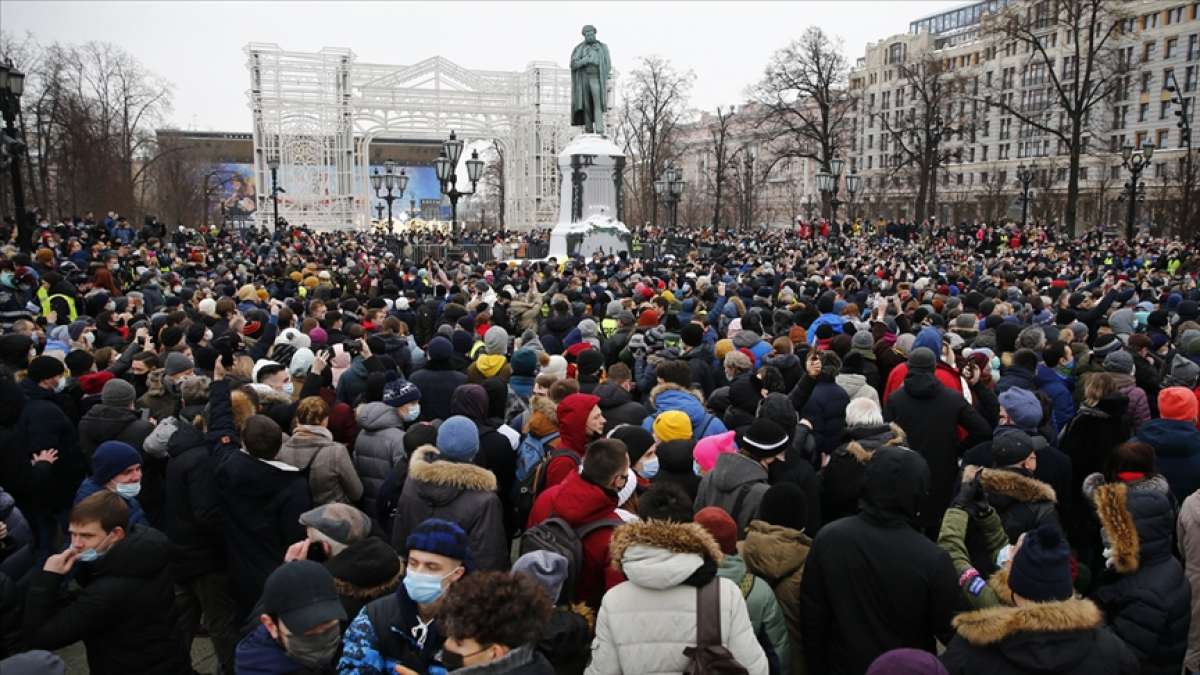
45	298
608	327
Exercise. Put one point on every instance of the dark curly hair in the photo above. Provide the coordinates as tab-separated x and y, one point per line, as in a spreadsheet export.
495	608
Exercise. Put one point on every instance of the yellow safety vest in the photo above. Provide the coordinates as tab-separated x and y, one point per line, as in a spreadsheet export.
45	298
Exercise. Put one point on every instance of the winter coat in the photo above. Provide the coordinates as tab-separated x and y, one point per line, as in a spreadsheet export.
737	485
16	549
1139	406
123	614
789	365
524	660
618	406
700	361
106	423
930	415
44	425
1188	536
1022	502
436	382
353	382
192	511
161	402
944	373
1177	450
463	493
766	617
669	396
580	502
645	623
826	410
1066	637
1018	378
777	555
851	616
331	474
1148	604
1089	440
89	487
573	436
378	449
842	477
1058	389
260	654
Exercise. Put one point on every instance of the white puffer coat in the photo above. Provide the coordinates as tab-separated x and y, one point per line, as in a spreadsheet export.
645	623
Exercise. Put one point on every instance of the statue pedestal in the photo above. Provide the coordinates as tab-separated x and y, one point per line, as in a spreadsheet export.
589	212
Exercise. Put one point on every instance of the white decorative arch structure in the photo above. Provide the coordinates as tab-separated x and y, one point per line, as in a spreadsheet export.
317	113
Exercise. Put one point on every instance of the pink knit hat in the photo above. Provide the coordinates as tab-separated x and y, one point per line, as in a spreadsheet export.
706	450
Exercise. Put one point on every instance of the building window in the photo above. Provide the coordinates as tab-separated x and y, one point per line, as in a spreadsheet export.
1169	48
1163	108
1161	138
1114	172
1148	50
1192	44
1189	79
1143	110
1167	73
1146	77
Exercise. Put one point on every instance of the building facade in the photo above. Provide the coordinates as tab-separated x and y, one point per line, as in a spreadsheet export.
983	144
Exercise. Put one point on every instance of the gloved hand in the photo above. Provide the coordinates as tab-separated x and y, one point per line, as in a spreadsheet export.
972	498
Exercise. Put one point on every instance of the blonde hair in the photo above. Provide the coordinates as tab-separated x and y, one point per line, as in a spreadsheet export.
1097	386
312	410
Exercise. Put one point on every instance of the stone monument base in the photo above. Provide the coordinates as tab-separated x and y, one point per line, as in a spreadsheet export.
591	168
600	233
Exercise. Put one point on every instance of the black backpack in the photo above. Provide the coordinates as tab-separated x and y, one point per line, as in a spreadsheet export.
527	490
557	536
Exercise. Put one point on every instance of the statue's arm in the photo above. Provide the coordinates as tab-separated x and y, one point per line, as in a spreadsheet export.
577	59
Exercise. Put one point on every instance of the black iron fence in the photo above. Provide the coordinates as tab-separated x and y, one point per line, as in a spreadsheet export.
480	252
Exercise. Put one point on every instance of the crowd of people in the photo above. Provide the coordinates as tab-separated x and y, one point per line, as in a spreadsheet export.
816	451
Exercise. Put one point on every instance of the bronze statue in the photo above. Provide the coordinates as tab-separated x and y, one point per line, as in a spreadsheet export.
590	67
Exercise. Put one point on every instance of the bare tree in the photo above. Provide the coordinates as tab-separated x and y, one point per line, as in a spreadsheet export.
1089	72
493	179
805	101
654	100
719	145
995	197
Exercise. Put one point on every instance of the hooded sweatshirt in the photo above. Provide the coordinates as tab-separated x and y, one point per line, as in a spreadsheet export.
572	428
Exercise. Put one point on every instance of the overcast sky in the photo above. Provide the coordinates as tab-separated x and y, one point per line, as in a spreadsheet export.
198	45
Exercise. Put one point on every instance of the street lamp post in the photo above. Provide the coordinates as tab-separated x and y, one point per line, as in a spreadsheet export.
1184	113
389	180
1135	162
412	208
12	85
1025	176
447	167
273	164
829	183
669	189
853	182
379	213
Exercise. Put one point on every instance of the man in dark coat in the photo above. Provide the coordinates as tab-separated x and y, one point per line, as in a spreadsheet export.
45	427
699	357
115	419
616	401
123	615
930	415
1046	631
821	401
437	380
852	615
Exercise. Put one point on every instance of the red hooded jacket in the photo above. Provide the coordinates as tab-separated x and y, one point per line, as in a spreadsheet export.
572	429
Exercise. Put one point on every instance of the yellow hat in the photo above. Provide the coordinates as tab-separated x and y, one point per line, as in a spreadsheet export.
673	425
723	347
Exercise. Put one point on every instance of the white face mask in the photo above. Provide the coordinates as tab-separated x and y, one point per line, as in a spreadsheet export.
287	388
90	338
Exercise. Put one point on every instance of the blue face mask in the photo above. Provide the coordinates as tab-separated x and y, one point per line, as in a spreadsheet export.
129	490
414	411
695	467
424	588
288	388
89	555
649	468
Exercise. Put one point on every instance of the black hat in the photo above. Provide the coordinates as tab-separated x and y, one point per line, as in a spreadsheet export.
1041	570
636	439
784	504
922	360
1188	310
44	368
763	439
1011	448
692	334
1158	318
302	594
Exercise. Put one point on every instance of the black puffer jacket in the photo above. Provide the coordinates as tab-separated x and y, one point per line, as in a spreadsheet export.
1148	600
823	403
109	423
618	406
123	614
192	512
842	477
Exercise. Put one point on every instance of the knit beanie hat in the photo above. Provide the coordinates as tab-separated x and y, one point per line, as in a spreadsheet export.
862	340
556	366
524	362
1177	403
439	349
907	661
111	458
547	568
710	447
398	392
1011	448
636	439
118	394
301	362
458	439
784	504
44	367
720	525
1119	362
672	425
495	341
763	439
177	363
443	537
589	361
921	360
723	347
1041	570
691	334
1023	408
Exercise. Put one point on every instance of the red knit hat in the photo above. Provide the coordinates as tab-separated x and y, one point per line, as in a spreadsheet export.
720	525
648	318
1178	403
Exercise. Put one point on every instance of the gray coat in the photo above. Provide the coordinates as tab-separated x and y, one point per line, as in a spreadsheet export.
331	475
378	449
734	476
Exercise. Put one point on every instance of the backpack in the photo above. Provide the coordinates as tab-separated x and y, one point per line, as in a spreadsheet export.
530	453
709	656
557	536
526	490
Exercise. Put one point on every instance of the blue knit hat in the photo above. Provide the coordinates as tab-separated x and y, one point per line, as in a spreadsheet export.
524	362
458	439
439	349
111	458
399	392
1041	570
443	537
1023	408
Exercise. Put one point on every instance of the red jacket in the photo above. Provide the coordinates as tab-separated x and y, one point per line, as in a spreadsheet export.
579	502
944	373
572	429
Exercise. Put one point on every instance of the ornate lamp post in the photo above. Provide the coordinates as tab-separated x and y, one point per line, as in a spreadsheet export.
273	164
1135	162
389	180
829	183
853	182
12	85
1025	176
412	208
446	165
669	189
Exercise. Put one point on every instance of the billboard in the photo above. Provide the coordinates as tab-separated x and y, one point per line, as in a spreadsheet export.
234	190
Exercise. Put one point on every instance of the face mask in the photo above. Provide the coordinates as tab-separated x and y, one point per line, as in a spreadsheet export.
695	467
455	661
424	588
1004	555
89	555
90	338
413	413
208	335
112	306
129	490
995	364
6	278
649	468
287	388
62	384
314	651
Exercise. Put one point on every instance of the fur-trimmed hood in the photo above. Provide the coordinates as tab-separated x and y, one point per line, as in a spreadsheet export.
995	624
862	449
425	467
1010	484
659	554
668	396
1136	525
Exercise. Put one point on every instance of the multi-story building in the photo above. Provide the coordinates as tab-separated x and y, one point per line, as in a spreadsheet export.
984	145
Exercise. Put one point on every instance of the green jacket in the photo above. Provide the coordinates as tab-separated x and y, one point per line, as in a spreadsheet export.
953	540
765	615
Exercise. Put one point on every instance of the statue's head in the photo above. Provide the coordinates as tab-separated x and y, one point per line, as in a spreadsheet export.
589	33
